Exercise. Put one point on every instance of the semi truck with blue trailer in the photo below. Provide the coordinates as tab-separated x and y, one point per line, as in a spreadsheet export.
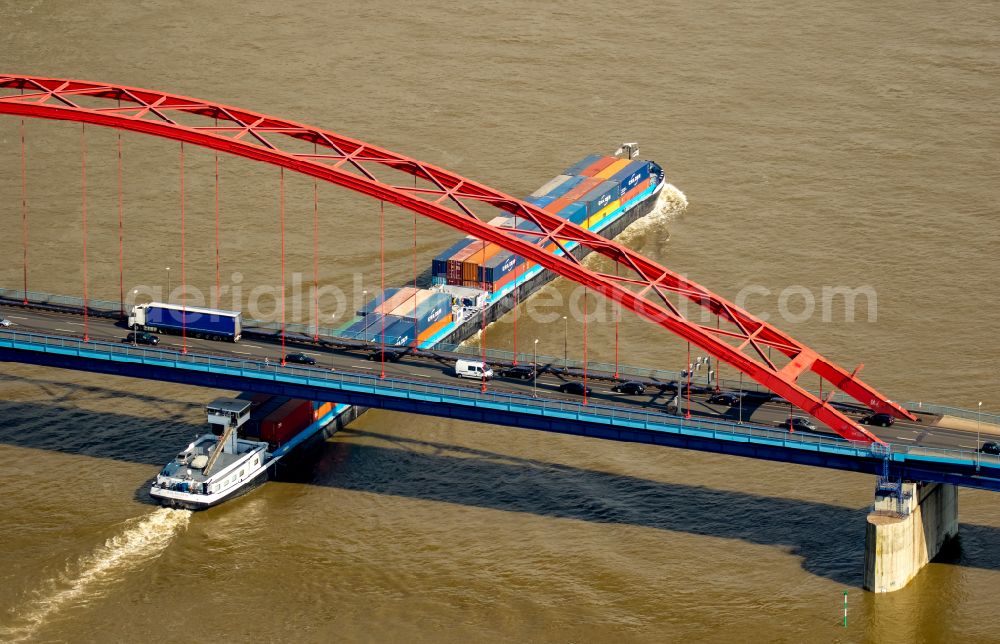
211	324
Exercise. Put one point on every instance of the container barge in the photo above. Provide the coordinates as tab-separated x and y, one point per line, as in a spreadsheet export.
469	281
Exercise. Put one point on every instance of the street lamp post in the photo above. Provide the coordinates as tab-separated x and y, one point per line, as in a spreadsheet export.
364	303
167	299
979	422
534	369
135	339
565	343
741	399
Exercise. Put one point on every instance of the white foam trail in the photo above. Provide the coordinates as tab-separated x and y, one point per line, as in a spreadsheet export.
143	539
670	203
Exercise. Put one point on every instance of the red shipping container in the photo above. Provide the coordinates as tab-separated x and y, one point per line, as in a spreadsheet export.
595	167
455	263
286	421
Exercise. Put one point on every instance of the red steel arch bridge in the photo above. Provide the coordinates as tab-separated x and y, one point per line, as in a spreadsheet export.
652	291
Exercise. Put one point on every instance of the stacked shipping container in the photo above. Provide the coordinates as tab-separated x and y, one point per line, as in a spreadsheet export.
403	316
585	194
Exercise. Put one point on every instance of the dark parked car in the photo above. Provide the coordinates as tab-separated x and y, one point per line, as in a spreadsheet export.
990	448
728	399
798	423
300	358
391	355
142	337
632	388
574	387
882	420
521	372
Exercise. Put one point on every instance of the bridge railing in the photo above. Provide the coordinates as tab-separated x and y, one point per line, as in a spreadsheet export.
651	420
624	371
944	410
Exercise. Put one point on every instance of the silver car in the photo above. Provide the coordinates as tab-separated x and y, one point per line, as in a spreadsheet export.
4	322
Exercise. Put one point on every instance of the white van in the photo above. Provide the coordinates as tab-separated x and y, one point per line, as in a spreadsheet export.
474	369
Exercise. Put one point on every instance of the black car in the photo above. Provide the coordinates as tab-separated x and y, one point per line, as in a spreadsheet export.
574	387
521	372
798	423
142	338
300	358
882	420
683	387
728	399
390	355
632	388
990	448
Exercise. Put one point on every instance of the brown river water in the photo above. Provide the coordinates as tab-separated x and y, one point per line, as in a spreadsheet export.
838	145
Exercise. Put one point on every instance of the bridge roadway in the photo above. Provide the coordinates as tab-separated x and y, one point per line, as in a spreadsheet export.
433	367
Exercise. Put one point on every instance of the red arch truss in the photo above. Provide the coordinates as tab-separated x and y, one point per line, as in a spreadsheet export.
647	288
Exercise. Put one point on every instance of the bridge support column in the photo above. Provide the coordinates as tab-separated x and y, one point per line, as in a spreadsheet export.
905	530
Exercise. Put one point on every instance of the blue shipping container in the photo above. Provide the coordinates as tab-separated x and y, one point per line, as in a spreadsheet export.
579	167
576	212
567	186
541	202
370	306
432	309
631	175
369	329
398	333
439	266
357	331
499	266
527	224
600	196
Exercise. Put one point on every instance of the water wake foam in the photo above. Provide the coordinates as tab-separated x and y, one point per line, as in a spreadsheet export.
142	539
669	204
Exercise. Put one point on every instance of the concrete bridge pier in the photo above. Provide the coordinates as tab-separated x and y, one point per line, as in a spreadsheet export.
906	529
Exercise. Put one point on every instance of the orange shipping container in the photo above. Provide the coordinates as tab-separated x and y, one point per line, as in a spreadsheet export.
612	169
583	188
484	254
429	332
397	299
634	192
322	410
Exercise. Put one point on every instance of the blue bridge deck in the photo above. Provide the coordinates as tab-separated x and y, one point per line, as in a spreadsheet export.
960	467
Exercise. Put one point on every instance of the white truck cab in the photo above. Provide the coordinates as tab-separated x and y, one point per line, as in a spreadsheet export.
474	369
